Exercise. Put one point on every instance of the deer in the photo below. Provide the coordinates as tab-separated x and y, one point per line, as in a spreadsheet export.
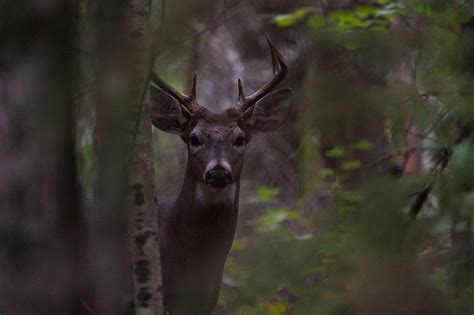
197	227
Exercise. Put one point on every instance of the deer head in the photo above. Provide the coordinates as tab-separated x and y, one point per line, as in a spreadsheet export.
216	141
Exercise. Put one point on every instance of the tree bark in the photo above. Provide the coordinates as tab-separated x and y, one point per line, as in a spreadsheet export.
108	233
143	223
40	219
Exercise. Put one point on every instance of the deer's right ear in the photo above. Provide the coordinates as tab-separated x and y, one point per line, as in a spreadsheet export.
166	112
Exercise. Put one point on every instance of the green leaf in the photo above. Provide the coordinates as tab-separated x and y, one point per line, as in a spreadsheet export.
302	12
267	193
238	245
348	20
351	165
364	11
273	220
289	19
275	308
326	172
335	153
284	20
363	145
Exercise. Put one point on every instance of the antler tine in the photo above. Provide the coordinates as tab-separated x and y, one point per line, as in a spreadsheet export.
273	54
193	88
241	91
246	102
189	102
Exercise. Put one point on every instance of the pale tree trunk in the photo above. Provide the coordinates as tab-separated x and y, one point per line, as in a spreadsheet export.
143	239
143	224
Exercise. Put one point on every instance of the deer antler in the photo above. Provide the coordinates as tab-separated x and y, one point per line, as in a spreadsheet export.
247	102
188	101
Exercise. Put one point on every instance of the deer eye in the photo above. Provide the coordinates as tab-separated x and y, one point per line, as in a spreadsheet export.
239	141
194	141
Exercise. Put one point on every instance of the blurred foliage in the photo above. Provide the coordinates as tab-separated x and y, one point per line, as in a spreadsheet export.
359	252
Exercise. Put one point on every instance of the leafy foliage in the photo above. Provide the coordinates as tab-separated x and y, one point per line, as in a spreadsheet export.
359	252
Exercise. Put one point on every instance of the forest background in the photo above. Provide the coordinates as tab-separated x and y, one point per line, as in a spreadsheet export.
362	203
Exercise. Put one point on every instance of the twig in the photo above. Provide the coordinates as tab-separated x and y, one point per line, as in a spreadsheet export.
422	195
390	156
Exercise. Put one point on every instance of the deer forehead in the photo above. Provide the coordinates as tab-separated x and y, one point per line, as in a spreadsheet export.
217	130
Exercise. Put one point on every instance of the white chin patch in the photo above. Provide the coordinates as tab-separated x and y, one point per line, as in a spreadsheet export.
207	195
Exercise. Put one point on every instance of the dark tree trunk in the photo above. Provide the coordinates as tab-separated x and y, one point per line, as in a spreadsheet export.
40	220
111	284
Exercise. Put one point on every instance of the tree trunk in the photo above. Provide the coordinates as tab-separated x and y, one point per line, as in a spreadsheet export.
108	235
40	220
143	223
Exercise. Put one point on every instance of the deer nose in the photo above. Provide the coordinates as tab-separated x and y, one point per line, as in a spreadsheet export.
218	177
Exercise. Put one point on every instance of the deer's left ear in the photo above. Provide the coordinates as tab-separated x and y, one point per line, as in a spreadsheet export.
269	113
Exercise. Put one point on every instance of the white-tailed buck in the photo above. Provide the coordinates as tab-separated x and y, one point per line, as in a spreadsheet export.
198	226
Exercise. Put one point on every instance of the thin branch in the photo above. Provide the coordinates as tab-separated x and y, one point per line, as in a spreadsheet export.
390	156
422	195
419	201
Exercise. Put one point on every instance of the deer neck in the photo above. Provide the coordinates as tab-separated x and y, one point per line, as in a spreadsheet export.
196	237
198	204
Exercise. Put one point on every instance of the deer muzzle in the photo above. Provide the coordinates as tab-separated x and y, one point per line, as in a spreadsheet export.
218	176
